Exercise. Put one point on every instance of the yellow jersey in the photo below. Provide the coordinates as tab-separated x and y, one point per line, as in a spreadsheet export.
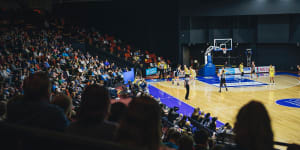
193	72
241	68
187	71
165	66
272	70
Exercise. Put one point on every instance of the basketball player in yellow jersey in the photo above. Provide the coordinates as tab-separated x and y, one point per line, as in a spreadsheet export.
242	69
186	71
272	74
193	75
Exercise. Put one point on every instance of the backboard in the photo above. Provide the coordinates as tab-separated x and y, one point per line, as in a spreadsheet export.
221	44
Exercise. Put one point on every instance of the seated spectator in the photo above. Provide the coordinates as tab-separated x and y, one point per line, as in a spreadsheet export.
201	140
33	109
93	111
178	119
182	122
212	125
141	127
200	117
143	85
117	112
186	142
195	114
206	119
227	129
172	138
187	126
172	114
252	128
65	103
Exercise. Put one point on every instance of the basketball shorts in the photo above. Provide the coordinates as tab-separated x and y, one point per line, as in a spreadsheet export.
223	80
176	74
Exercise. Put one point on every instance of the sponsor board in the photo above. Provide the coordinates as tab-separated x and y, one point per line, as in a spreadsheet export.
228	70
263	69
128	76
260	69
240	84
151	71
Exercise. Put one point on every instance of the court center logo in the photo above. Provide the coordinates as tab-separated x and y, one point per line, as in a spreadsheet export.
291	102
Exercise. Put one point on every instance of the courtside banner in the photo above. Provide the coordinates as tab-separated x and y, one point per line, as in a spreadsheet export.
246	70
151	71
128	76
262	69
229	70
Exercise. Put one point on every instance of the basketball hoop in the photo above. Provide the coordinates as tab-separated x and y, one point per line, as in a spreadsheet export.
224	50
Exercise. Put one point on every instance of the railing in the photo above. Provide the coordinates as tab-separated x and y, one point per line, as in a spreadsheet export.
15	137
223	138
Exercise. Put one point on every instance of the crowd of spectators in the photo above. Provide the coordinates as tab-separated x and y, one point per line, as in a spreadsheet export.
24	52
198	123
141	124
47	84
140	59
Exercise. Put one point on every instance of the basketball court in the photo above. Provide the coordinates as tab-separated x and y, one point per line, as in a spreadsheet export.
281	99
285	114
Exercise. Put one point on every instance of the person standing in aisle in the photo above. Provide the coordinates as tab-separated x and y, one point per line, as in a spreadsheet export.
187	87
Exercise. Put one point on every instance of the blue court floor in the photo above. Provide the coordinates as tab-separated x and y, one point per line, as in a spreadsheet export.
232	81
171	101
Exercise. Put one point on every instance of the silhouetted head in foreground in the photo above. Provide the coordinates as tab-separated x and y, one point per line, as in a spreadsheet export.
95	104
253	127
142	126
37	87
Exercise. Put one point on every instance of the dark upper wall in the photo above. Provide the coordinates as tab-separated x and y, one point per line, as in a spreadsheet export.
237	7
147	24
243	29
